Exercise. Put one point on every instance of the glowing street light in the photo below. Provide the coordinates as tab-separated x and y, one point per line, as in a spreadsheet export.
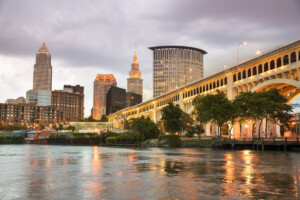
237	49
258	52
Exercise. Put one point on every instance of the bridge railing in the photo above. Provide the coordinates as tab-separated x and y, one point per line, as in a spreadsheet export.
269	139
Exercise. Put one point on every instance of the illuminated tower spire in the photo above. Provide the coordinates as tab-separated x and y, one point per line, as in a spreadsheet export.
134	82
134	61
134	72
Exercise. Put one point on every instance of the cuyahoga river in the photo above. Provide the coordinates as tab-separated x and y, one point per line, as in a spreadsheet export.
86	172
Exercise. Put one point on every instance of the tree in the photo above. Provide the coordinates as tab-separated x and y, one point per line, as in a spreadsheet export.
186	121
171	118
198	129
55	127
213	107
250	106
126	124
42	126
104	118
277	109
145	127
71	128
269	105
60	127
91	119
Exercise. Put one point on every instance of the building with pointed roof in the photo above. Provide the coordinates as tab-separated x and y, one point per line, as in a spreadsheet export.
42	75
42	79
102	84
135	82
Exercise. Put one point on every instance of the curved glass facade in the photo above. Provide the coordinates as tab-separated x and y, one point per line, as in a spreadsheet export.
174	67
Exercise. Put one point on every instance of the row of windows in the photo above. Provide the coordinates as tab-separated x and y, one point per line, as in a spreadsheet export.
205	88
146	108
177	54
169	100
266	66
134	112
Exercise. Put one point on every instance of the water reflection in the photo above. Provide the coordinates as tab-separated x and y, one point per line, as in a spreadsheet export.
66	172
95	186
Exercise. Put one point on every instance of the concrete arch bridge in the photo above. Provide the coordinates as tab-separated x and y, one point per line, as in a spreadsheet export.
278	68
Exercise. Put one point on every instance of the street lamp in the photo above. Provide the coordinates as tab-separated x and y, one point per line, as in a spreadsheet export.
237	49
258	52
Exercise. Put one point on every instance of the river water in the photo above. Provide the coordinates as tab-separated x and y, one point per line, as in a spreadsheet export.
86	172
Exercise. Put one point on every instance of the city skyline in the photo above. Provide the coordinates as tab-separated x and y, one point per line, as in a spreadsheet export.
83	47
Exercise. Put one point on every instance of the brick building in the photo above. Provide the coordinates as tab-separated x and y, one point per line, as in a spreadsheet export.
27	114
69	103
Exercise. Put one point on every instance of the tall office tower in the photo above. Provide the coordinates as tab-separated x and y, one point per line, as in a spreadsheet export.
42	75
175	66
134	82
42	79
102	84
115	100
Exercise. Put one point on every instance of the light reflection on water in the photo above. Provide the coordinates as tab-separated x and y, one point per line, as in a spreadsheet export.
83	172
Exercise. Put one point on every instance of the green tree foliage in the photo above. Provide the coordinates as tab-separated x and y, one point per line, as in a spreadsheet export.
216	108
104	118
55	127
10	128
126	124
71	128
91	119
145	127
269	105
196	129
186	121
170	140
172	118
60	127
129	137
251	106
12	139
42	126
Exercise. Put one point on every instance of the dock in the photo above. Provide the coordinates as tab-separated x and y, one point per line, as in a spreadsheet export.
281	144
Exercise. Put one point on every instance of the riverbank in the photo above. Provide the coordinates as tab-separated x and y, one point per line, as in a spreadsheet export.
277	144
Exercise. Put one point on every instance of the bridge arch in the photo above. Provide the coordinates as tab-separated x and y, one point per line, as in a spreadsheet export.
287	87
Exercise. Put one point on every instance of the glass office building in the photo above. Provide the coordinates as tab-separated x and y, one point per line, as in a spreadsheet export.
175	66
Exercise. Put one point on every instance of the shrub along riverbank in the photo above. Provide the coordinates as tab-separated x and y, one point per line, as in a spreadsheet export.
12	139
126	139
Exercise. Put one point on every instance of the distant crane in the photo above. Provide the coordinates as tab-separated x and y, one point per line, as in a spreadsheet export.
37	133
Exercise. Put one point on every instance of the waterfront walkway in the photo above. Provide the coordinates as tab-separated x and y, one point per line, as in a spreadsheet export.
258	144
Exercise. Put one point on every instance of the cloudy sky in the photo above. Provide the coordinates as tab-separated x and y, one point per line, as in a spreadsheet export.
90	37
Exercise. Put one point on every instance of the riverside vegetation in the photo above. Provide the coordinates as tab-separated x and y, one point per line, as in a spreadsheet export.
269	105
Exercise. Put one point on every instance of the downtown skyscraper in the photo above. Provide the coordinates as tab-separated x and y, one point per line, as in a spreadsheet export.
42	75
42	79
102	84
